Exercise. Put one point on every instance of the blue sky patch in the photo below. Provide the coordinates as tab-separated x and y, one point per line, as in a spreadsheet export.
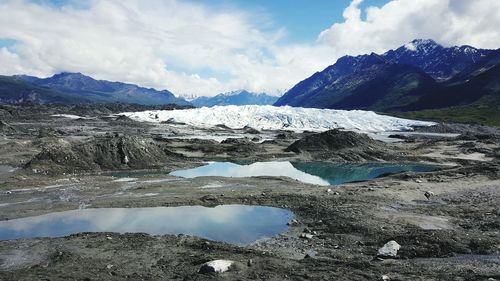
7	43
303	19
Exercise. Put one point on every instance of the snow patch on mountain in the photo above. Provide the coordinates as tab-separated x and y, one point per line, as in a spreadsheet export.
233	93
411	47
279	118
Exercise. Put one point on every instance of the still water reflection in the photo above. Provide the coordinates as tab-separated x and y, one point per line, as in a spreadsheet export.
319	173
237	224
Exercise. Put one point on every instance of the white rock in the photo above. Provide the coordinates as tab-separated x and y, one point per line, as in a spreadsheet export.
418	181
385	278
306	236
217	266
329	190
390	249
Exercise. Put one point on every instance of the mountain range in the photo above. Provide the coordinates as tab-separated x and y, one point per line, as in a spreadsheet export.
419	75
74	88
240	97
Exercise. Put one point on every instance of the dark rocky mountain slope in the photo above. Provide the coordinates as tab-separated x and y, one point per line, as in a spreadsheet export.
76	88
420	75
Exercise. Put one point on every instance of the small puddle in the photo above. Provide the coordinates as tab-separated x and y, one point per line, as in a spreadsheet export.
6	169
236	224
318	173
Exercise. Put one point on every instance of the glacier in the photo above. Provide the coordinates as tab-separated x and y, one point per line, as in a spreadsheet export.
267	117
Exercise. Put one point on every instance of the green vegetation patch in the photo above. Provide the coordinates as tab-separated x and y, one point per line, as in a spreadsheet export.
476	114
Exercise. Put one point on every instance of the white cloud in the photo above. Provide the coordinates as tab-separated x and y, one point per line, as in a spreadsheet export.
136	41
449	22
178	45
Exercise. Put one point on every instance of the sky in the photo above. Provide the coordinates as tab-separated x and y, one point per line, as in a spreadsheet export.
205	47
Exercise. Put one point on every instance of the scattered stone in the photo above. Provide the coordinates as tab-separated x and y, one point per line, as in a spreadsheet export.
389	250
306	236
209	198
109	266
310	254
250	262
385	278
216	266
329	190
429	194
250	130
109	237
285	136
6	128
418	181
292	222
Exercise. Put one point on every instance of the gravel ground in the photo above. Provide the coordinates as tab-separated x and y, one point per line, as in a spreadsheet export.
453	235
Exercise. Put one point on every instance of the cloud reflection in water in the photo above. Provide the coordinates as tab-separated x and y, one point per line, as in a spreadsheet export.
237	224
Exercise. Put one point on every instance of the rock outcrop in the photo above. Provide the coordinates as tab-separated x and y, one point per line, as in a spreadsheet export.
6	128
342	146
101	153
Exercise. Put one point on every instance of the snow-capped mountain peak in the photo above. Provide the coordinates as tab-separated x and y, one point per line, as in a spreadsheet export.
238	97
234	93
465	49
440	62
411	47
424	42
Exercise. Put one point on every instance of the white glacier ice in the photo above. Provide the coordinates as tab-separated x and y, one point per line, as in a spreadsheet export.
267	117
